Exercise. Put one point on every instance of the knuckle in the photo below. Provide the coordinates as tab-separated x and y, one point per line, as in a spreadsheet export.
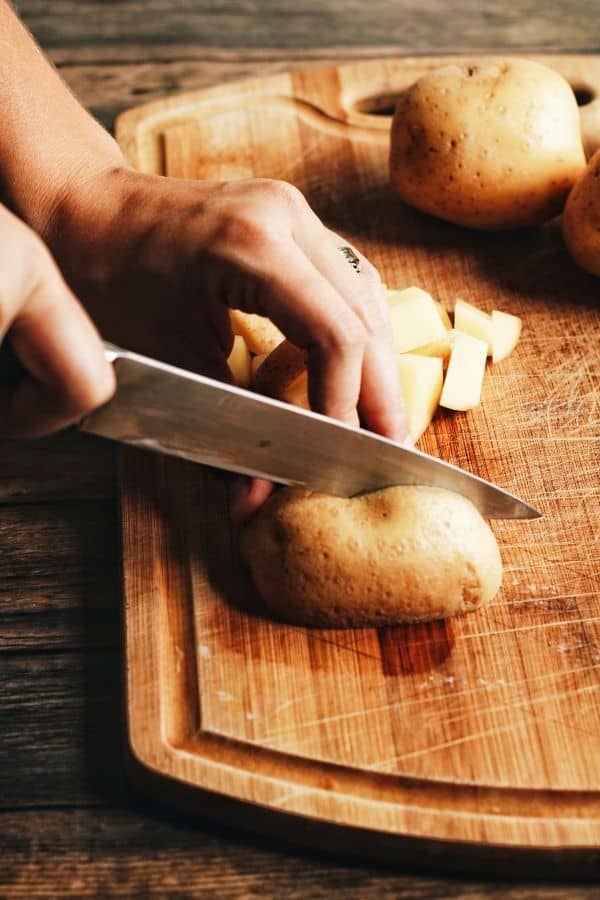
245	230
285	193
349	335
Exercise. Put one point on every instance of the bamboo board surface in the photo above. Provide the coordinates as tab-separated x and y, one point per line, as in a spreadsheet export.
482	733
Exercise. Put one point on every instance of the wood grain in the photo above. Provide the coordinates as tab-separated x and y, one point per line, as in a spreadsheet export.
412	26
137	850
118	854
484	731
49	598
65	466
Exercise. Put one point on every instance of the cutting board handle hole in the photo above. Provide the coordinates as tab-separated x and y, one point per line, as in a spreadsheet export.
584	95
383	104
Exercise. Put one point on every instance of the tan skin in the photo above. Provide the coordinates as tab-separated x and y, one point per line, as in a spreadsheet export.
158	263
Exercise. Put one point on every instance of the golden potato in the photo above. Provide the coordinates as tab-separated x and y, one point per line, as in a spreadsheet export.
490	144
404	554
581	218
261	335
283	375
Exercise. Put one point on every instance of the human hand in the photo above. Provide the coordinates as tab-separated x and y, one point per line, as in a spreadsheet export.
52	337
159	262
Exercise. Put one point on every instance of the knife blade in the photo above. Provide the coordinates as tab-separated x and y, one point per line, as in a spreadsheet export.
169	410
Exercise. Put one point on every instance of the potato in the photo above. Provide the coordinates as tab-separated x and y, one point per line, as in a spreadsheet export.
581	219
506	331
490	144
421	379
283	375
240	362
464	377
261	335
404	554
474	321
416	320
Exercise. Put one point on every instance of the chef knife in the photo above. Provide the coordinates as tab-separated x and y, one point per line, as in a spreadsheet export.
169	410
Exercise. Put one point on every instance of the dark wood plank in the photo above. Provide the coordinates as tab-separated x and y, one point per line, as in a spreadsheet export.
59	576
102	852
64	466
418	25
60	727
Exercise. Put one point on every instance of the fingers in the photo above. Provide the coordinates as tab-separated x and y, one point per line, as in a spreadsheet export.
310	290
380	401
246	496
56	342
311	312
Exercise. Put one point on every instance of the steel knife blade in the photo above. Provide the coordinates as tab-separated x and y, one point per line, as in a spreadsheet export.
169	410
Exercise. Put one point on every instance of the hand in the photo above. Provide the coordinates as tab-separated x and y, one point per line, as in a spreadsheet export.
160	261
51	335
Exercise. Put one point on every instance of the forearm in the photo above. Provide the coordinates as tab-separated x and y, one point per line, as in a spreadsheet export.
47	140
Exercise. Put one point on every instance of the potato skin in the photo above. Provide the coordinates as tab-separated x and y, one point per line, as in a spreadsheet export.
283	375
261	335
403	554
581	219
489	144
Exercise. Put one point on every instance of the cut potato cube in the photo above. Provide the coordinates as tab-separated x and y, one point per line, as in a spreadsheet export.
440	347
506	330
240	362
415	319
421	380
399	294
473	321
444	316
464	377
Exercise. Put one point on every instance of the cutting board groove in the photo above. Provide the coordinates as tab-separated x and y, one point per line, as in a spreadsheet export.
475	738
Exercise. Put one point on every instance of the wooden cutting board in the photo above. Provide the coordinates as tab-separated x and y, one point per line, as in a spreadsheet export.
473	742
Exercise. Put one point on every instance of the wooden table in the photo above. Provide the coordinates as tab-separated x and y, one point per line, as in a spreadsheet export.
69	825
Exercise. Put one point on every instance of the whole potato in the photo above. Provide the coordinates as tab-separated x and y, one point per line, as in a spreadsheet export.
410	553
581	218
490	144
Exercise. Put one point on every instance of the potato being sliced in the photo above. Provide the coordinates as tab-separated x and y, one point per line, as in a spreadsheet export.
473	321
506	330
240	362
421	380
415	320
464	377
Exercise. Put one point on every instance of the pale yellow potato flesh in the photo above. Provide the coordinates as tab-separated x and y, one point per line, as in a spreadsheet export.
506	331
240	362
446	321
421	379
261	335
490	143
474	321
415	319
464	376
